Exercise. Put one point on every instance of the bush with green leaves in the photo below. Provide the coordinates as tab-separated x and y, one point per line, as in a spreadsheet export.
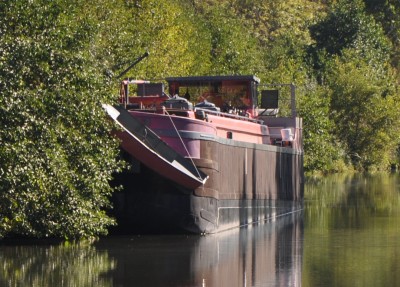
57	58
364	107
326	154
351	57
56	155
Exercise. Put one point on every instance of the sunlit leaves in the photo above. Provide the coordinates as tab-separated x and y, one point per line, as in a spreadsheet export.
351	56
365	110
322	146
58	59
56	156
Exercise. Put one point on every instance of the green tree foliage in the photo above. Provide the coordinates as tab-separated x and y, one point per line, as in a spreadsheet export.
176	37
59	59
318	137
170	32
364	108
56	157
352	58
347	26
232	49
281	29
388	14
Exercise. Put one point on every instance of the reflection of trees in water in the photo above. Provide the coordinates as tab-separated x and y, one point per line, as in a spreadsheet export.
351	231
266	254
58	265
351	198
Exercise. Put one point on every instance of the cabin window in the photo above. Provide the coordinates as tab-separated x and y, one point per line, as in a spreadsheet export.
223	94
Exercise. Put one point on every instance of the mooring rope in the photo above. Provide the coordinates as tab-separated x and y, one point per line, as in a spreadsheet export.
189	156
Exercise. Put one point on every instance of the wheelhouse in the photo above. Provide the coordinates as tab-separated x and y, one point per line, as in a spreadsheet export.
229	94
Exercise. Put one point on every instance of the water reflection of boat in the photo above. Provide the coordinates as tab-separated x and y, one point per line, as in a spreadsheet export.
267	255
263	255
207	167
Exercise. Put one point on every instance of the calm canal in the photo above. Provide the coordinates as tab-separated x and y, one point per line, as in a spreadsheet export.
347	235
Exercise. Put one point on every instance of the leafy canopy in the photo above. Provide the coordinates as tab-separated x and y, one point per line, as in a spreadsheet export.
56	157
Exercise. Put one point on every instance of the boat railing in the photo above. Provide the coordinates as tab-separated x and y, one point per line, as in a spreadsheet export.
228	115
270	93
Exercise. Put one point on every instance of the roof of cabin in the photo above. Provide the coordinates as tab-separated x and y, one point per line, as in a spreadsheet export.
197	79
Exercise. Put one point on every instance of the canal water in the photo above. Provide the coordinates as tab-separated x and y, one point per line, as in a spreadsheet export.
347	235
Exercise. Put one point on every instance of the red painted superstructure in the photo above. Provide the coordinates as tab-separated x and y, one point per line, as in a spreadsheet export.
210	141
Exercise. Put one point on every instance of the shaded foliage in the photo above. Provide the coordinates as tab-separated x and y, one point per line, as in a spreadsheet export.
388	14
347	26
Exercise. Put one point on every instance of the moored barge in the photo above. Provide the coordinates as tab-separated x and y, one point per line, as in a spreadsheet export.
207	157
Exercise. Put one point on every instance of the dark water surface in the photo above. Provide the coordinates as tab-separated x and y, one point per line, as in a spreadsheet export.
347	235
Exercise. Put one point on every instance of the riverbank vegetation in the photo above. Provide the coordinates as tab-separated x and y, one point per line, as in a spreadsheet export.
59	58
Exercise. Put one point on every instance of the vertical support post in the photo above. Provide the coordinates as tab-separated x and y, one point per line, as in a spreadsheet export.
126	92
293	99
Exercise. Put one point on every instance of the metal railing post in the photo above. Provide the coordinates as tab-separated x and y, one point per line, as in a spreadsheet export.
293	99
